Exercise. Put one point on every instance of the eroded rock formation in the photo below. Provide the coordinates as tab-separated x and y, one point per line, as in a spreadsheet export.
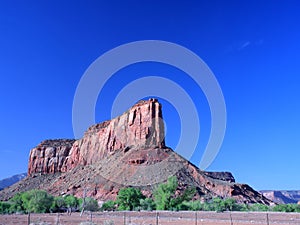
49	156
140	127
126	151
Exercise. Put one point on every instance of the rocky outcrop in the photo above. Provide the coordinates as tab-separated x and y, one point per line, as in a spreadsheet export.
140	127
49	156
225	176
282	197
126	151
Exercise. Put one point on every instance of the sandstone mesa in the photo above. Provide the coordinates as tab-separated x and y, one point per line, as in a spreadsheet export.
128	150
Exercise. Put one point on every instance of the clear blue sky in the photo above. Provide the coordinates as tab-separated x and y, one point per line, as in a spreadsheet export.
252	47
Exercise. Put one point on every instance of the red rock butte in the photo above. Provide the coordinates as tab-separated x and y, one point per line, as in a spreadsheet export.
128	150
140	127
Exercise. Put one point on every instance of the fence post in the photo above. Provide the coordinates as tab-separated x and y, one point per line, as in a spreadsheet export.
231	222
57	219
156	218
129	218
268	218
28	219
124	215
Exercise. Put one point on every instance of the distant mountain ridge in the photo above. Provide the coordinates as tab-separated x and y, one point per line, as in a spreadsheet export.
11	180
282	197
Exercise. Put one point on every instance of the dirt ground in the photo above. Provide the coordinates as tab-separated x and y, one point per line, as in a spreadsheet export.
156	218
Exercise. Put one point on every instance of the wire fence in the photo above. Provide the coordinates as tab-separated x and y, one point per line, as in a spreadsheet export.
155	218
200	218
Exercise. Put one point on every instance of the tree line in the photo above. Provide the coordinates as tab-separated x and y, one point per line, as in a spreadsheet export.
39	201
164	198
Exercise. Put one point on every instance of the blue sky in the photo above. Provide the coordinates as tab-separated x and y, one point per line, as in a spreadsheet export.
252	47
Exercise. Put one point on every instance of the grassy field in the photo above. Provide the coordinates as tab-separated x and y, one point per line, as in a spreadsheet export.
155	218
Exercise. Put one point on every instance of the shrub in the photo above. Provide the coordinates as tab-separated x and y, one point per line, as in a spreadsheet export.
91	204
230	204
129	198
4	207
259	207
109	206
57	204
218	205
147	204
192	205
176	203
287	208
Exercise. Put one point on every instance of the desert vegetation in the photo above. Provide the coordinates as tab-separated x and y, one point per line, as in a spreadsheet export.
164	198
132	199
39	201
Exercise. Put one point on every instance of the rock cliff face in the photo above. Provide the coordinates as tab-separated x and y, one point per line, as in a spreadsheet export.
140	127
126	151
49	156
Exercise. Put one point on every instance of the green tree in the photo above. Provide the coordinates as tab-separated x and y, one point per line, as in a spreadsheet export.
287	208
259	207
147	204
37	201
230	204
108	206
242	207
57	204
297	208
165	198
176	203
129	198
17	203
164	193
218	204
192	205
207	206
91	204
221	205
4	207
71	201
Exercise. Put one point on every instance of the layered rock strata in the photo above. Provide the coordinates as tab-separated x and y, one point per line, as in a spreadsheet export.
128	150
140	127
